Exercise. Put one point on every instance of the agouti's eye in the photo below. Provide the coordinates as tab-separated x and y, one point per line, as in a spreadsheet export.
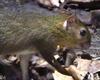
83	32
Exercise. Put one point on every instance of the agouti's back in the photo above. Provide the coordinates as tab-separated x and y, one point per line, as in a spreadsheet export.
22	31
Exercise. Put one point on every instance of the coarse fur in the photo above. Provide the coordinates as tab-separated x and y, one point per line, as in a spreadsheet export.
27	33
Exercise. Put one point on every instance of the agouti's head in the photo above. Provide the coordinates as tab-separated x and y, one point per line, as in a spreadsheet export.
71	33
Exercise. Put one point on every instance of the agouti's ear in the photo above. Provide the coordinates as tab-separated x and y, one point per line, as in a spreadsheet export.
71	19
65	25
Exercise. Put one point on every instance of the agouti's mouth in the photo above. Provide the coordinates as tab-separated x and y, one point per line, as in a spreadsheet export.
85	45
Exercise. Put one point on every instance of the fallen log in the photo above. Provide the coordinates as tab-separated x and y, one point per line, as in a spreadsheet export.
80	71
59	76
76	74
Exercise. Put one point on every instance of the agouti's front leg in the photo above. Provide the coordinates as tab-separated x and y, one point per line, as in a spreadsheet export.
24	63
47	49
70	57
67	56
52	61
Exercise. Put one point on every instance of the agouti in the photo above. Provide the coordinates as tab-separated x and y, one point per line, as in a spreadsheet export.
27	33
